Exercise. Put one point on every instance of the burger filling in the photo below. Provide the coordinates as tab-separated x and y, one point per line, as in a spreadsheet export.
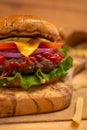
31	61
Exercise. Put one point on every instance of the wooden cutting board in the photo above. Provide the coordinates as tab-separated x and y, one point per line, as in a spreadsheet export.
64	115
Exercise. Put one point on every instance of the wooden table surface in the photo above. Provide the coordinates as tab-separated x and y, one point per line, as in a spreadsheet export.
70	15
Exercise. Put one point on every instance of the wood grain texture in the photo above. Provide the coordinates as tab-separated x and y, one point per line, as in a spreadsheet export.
67	125
63	115
70	15
39	99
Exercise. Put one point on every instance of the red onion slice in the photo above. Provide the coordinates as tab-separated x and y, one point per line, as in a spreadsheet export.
41	50
16	54
10	54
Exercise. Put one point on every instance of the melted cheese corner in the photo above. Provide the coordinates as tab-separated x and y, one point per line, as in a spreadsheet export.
27	49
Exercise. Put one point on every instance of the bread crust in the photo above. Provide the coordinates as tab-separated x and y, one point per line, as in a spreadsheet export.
39	99
27	25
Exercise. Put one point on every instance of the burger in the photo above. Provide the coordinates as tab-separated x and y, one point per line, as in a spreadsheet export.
34	67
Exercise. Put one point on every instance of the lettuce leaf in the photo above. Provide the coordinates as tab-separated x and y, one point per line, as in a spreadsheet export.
64	50
38	77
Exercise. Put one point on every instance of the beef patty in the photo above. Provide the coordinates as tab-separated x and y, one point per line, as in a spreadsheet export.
28	65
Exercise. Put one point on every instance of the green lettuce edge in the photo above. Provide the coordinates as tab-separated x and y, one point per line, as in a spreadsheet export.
38	77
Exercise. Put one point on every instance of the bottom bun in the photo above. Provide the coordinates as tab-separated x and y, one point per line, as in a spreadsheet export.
39	99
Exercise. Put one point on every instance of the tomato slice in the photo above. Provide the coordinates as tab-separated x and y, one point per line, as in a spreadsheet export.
7	46
13	46
50	45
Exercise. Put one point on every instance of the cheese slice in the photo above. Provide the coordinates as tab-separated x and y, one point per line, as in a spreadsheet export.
26	46
27	49
17	39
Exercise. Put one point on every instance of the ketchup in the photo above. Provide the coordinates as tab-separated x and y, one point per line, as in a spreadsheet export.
13	64
32	58
47	55
39	57
54	57
2	59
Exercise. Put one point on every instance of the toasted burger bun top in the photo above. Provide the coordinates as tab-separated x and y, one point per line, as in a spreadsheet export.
26	25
